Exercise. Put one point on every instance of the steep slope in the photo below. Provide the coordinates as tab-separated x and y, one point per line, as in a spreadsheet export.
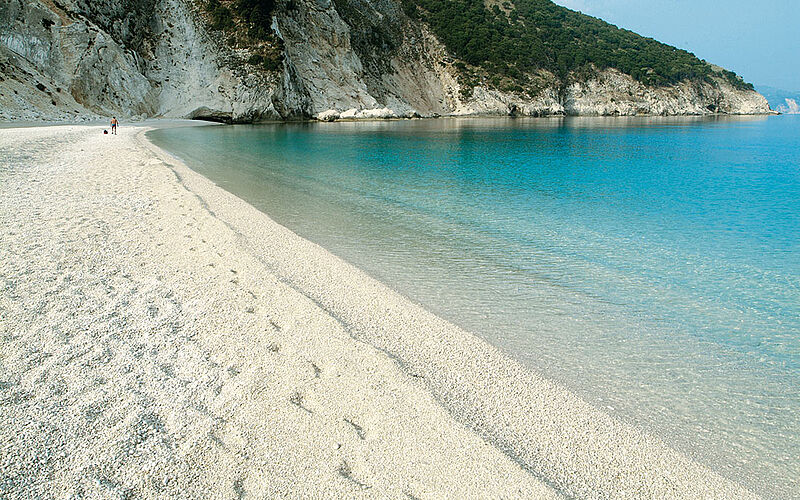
132	57
251	60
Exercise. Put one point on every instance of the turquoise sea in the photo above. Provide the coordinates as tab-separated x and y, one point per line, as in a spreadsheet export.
651	265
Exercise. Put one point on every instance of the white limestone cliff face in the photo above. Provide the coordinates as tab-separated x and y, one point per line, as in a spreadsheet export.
198	76
349	59
53	66
57	64
614	93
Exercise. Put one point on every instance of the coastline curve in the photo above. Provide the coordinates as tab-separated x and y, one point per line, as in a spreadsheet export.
581	451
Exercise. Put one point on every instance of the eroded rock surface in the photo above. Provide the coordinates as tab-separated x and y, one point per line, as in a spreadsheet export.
344	59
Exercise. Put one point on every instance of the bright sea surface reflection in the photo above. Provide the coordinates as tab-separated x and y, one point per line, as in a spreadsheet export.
650	265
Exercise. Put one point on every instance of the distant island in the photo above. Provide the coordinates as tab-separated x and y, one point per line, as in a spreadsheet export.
257	60
782	101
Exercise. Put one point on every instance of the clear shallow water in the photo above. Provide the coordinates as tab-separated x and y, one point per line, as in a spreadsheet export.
650	265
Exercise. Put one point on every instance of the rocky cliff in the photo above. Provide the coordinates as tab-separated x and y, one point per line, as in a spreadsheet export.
68	59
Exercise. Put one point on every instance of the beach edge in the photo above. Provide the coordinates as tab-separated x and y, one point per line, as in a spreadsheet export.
527	417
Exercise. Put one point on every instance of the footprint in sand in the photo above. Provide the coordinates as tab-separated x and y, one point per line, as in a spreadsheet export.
297	399
317	369
238	489
359	430
347	473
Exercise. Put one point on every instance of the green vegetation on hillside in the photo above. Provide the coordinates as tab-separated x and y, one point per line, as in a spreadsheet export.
537	34
255	16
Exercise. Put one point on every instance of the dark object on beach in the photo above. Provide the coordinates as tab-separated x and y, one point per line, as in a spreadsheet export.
105	131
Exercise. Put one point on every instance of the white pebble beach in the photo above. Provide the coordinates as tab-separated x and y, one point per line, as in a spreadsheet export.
161	338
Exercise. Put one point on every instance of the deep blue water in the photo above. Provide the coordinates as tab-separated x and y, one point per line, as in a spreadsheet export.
652	265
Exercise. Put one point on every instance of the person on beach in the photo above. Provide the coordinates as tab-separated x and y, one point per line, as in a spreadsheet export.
114	123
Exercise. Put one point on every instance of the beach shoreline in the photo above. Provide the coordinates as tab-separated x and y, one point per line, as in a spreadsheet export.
232	314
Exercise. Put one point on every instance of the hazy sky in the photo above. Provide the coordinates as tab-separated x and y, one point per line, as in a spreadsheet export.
758	39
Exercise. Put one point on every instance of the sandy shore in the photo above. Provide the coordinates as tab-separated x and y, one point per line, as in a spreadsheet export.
161	338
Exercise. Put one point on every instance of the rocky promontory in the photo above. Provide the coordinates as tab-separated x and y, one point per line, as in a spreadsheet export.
343	59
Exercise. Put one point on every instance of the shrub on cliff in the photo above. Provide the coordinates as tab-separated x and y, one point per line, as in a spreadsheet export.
256	17
221	17
529	35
